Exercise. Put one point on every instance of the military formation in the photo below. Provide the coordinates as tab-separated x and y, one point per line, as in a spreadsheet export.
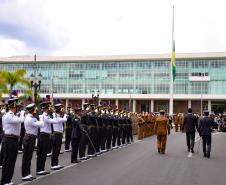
89	131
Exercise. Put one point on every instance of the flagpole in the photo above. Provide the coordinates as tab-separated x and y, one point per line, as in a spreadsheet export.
171	70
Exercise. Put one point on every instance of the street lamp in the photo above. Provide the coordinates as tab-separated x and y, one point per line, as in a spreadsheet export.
95	98
201	74
35	80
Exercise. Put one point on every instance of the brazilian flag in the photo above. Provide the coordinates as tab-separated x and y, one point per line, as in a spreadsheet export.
173	62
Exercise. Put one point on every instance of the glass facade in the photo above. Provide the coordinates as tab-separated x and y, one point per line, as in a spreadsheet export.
127	77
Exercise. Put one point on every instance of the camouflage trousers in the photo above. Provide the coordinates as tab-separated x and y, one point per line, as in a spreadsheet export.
161	143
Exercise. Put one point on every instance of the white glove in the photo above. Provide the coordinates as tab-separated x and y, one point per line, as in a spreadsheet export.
22	112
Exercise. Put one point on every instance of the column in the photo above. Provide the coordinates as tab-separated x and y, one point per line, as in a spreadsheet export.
209	106
116	102
134	105
189	103
152	105
66	105
83	101
99	100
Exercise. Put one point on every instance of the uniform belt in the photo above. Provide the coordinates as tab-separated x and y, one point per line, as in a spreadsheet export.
30	135
12	136
45	133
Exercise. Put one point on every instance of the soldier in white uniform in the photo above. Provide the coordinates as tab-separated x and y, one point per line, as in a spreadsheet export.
3	113
58	129
44	138
31	131
12	125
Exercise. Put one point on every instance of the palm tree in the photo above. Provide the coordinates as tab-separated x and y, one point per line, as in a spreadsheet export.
3	86
11	79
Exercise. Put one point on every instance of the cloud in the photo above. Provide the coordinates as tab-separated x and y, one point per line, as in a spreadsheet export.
100	27
27	21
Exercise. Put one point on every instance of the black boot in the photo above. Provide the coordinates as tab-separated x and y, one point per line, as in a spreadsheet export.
208	155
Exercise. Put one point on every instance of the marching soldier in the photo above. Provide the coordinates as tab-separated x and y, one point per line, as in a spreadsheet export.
176	122
205	128
161	129
44	138
189	126
76	135
58	129
12	125
31	125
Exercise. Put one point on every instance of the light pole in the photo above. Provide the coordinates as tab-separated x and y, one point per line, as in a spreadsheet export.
35	80
52	88
202	75
95	98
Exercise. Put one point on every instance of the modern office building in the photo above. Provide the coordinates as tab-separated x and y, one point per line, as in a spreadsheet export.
134	82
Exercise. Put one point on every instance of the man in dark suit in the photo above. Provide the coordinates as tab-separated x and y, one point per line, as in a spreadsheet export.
76	135
205	128
189	126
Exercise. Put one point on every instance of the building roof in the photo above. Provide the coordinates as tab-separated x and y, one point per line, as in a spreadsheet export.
110	58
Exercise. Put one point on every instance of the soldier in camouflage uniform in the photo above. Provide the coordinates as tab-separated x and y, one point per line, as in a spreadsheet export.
140	131
161	129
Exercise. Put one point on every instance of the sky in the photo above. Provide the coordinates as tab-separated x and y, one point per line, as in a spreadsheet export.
110	27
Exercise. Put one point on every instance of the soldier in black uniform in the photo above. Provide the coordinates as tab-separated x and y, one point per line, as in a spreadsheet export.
76	135
109	121
124	127
120	130
99	131
103	117
68	129
115	129
92	124
22	131
84	129
205	128
130	129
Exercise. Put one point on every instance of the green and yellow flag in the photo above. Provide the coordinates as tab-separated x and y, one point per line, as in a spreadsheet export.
173	62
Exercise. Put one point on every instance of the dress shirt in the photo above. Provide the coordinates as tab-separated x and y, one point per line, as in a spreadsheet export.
32	124
12	123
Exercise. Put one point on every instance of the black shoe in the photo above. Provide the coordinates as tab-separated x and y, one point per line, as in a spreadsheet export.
28	179
192	150
42	173
75	161
204	155
158	150
208	155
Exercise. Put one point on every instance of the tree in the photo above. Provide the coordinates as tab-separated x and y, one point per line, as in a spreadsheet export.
11	79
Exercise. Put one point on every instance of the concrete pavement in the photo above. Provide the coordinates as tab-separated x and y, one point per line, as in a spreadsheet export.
140	164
